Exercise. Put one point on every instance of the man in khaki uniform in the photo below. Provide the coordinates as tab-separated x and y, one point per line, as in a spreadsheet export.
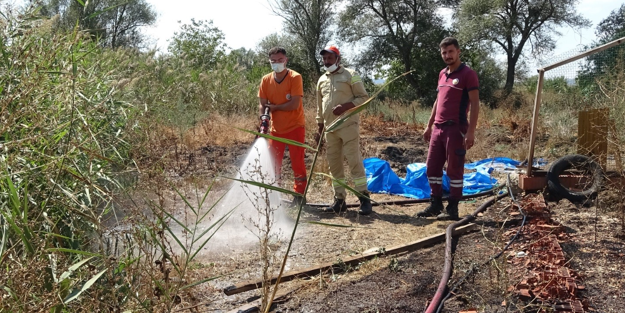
339	90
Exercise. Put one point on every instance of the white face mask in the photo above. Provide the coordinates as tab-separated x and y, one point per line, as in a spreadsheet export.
331	68
277	67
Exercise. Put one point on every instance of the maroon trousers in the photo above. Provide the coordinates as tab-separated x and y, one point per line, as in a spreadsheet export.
446	145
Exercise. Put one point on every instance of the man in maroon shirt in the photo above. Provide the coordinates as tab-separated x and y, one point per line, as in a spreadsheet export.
450	131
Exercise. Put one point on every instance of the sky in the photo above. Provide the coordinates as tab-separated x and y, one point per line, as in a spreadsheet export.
572	41
246	22
243	22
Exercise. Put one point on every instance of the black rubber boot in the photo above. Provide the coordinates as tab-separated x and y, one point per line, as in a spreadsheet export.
297	200
338	206
452	211
436	206
365	204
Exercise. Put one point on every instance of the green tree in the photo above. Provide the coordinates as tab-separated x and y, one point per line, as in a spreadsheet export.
71	13
513	24
602	63
558	85
296	52
489	72
254	63
123	22
116	23
310	22
402	33
613	26
199	43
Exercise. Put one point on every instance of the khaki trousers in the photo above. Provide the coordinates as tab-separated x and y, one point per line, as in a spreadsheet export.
345	143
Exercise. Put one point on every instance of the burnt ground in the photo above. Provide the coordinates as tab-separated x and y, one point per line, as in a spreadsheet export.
406	283
593	247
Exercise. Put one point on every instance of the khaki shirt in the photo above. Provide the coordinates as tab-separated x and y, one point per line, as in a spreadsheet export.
340	87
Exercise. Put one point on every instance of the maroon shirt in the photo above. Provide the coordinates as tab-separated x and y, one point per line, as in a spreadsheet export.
453	94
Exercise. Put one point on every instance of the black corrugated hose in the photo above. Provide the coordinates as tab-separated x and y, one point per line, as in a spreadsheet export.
472	270
405	201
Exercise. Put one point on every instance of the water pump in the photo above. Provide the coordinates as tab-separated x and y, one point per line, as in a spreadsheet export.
264	122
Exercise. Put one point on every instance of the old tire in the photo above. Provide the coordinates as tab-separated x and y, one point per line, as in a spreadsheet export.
574	161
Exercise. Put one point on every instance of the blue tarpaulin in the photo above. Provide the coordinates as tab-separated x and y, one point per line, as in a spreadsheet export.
382	179
495	163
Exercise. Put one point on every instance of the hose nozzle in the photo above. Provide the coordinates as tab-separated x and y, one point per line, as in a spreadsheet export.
264	122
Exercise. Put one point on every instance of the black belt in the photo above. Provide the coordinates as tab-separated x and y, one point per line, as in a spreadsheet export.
446	123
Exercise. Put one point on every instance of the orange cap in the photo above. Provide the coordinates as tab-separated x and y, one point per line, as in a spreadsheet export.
332	49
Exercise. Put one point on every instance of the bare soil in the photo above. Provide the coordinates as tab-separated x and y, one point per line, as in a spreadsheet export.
593	247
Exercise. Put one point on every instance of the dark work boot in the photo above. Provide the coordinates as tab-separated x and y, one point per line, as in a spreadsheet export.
338	206
452	211
297	200
365	204
436	206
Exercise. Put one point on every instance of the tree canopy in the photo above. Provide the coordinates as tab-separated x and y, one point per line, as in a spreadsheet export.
299	60
613	26
401	33
115	23
199	43
609	29
513	24
310	23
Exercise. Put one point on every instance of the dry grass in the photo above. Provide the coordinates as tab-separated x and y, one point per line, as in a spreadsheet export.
216	130
184	118
501	132
219	130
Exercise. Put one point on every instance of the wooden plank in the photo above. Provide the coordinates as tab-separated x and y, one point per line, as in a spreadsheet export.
582	132
315	270
592	133
537	100
254	306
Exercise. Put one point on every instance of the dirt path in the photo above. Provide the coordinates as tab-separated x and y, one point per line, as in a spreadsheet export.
407	282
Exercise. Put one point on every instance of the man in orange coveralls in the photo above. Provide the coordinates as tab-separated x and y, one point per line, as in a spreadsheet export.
281	91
